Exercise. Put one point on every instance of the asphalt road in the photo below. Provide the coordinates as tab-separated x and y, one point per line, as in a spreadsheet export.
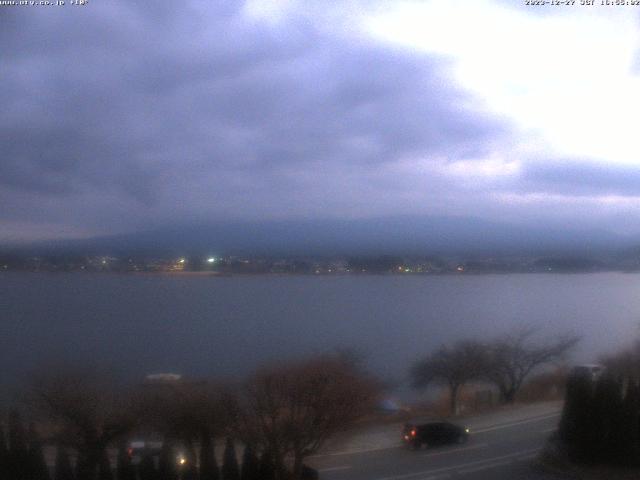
502	451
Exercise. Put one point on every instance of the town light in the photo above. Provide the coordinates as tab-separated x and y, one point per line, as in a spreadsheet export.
211	259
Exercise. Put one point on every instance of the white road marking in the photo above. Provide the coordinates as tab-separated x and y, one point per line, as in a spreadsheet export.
353	452
528	457
447	452
518	458
549	430
485	467
462	465
335	469
488	429
513	424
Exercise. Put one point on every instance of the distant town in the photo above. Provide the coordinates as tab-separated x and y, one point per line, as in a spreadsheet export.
353	265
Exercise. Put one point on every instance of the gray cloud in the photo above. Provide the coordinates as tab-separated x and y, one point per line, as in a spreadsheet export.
195	109
581	178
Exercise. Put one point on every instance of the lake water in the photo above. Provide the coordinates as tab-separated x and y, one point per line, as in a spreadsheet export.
227	326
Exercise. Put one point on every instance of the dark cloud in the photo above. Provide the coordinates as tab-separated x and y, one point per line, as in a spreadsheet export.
193	108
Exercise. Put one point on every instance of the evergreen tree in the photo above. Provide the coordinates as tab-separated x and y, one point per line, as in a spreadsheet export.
167	463
124	468
104	467
575	423
36	463
4	453
190	470
230	469
617	443
604	437
208	464
86	469
62	470
18	455
266	468
147	468
250	464
630	438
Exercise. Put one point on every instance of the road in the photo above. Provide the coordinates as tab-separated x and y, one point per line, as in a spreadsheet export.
504	450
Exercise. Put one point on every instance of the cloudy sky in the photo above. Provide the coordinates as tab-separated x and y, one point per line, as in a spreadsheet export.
120	116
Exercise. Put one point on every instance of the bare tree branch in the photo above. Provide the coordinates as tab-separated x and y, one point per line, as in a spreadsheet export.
511	358
292	410
452	366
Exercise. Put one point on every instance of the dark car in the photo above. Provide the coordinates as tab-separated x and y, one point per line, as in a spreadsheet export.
433	433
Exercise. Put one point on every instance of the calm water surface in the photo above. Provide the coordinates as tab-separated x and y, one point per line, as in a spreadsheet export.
226	326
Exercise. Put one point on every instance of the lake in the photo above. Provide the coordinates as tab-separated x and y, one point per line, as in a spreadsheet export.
142	324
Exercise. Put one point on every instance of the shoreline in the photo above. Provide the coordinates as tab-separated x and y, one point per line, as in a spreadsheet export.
340	275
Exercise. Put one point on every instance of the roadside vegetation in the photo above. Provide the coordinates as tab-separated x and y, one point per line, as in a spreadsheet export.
601	418
263	428
505	362
269	424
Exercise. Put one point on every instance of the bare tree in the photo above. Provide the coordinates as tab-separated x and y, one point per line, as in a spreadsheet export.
88	410
452	366
511	358
191	410
291	410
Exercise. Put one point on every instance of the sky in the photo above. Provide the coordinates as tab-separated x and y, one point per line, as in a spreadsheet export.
126	116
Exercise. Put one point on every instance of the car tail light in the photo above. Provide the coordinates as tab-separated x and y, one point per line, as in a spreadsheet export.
413	432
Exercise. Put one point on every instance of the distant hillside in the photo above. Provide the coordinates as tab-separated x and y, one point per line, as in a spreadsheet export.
397	235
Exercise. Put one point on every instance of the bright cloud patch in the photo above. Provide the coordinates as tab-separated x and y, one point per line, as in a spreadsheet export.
566	77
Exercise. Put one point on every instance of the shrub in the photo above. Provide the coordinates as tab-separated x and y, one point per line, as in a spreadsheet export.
124	469
601	420
250	464
18	456
4	452
104	467
208	465
147	468
166	464
62	470
230	469
266	467
36	464
576	417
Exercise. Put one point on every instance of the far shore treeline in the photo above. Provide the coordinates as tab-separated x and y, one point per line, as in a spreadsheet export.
222	265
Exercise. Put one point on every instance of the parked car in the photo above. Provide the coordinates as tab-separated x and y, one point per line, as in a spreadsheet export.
416	434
